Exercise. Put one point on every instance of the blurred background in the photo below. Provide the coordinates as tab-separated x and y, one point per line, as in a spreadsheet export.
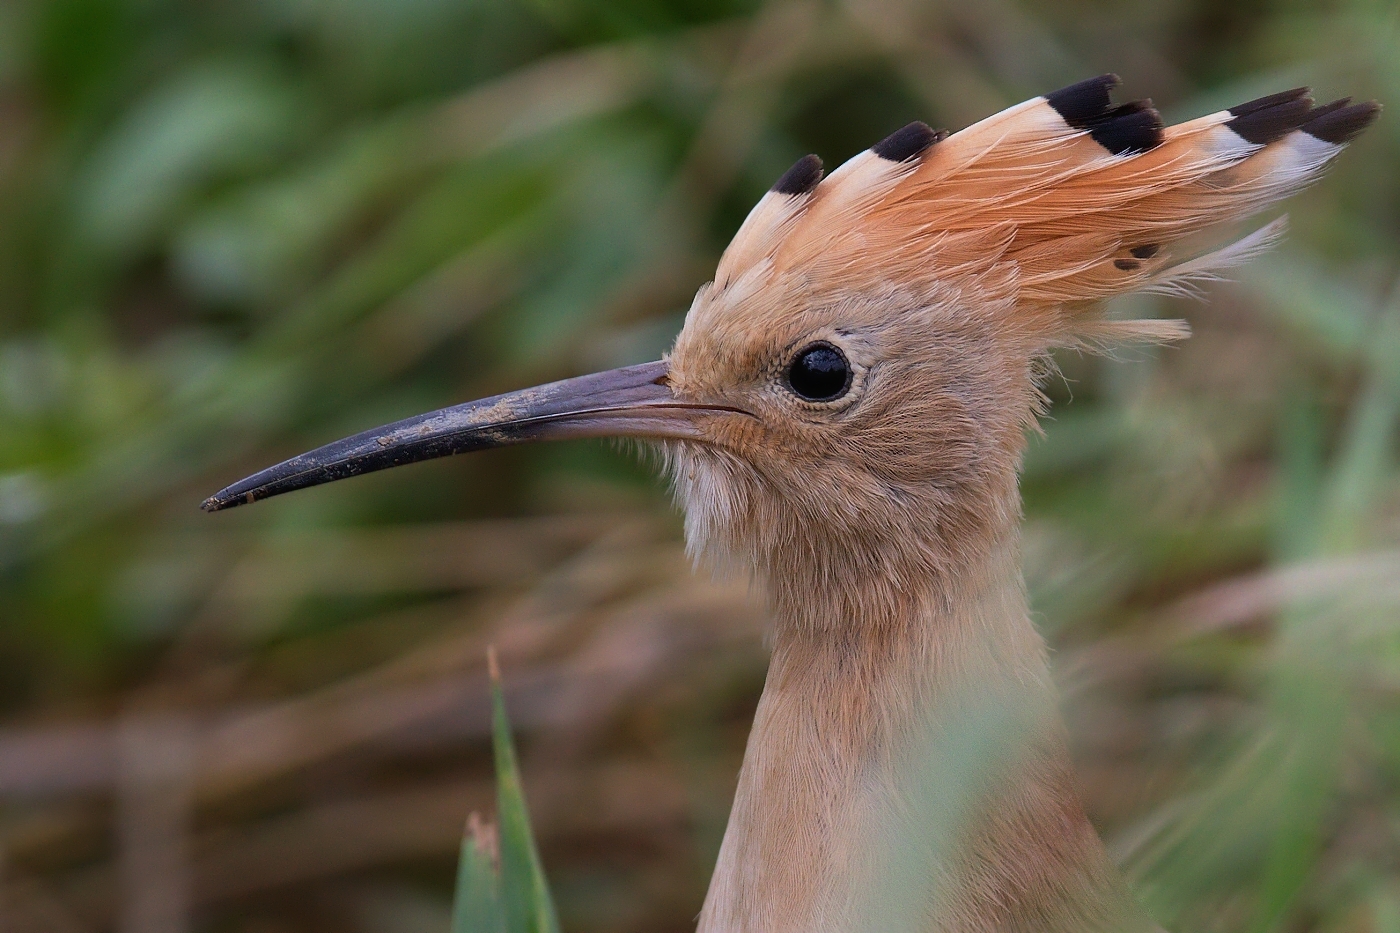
231	231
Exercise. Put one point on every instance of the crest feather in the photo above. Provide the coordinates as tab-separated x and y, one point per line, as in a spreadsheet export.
773	215
1080	198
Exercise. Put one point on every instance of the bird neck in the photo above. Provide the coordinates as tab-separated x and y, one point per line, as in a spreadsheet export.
909	773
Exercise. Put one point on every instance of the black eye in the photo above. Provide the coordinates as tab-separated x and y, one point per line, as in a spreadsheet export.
820	373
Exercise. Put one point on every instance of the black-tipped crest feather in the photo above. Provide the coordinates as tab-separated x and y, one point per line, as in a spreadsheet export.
1343	124
1122	130
1271	118
1131	128
1085	103
908	142
804	175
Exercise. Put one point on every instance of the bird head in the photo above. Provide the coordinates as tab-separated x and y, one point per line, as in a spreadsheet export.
867	430
848	398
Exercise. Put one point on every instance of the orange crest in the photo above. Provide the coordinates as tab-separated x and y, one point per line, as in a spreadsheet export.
1064	200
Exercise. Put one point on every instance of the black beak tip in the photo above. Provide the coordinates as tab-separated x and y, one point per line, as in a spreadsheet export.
224	499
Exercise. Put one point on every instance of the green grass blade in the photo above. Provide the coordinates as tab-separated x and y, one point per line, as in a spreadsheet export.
529	908
476	905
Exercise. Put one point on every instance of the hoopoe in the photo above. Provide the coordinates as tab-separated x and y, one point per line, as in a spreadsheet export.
843	415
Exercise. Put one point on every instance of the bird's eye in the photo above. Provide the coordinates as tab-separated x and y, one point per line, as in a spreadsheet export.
820	373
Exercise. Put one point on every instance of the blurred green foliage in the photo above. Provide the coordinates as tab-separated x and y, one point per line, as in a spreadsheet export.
230	232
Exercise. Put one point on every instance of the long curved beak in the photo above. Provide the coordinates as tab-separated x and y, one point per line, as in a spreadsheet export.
634	401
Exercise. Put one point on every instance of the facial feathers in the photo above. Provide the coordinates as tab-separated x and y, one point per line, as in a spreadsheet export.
1068	199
